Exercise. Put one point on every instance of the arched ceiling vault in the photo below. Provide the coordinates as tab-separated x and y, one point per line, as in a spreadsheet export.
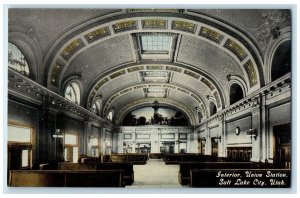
119	31
103	49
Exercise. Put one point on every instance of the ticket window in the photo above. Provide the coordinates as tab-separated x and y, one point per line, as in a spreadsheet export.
19	147
71	151
95	147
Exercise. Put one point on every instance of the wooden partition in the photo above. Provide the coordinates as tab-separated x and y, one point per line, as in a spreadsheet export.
187	157
127	168
63	178
130	158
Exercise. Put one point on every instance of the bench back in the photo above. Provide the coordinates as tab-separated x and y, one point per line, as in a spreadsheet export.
63	178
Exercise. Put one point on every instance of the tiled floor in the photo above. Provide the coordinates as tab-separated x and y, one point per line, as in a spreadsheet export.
155	174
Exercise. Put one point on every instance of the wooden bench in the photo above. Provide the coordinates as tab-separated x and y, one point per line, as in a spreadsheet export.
130	158
63	178
236	178
156	155
127	168
188	157
186	167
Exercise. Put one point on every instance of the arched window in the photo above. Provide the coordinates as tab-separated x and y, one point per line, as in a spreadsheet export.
281	63
72	93
110	115
236	93
16	60
200	116
97	106
212	108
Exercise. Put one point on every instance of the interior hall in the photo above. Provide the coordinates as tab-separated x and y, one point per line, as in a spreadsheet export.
147	97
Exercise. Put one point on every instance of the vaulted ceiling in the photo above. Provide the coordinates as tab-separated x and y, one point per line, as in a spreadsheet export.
102	49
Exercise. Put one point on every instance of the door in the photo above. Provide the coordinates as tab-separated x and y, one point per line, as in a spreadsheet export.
214	147
282	146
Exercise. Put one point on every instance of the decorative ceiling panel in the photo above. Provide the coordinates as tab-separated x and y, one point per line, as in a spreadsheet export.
207	57
101	57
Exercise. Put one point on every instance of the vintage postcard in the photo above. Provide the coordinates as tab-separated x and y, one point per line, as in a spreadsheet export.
149	98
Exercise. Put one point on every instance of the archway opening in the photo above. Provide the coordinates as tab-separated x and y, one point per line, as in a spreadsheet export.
281	63
212	108
236	93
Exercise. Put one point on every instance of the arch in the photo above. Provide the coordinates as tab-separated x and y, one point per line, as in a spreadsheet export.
281	62
30	47
150	115
203	77
110	114
212	108
284	36
72	92
114	95
236	93
242	41
75	83
97	106
200	116
149	101
17	60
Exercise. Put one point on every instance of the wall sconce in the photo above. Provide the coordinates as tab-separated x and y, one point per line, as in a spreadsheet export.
57	134
203	140
218	139
252	133
91	138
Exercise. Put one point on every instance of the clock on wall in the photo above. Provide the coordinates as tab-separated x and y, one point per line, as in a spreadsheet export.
237	130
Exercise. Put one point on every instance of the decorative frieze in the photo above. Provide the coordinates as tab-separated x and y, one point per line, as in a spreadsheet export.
154	67
211	34
97	34
154	24
136	68
184	26
56	70
192	74
176	69
125	26
207	83
236	49
249	67
101	83
155	10
117	74
72	48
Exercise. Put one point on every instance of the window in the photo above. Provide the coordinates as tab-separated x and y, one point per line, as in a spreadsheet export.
94	108
72	93
19	147
110	115
236	93
212	108
97	106
25	158
71	147
155	44
16	60
95	147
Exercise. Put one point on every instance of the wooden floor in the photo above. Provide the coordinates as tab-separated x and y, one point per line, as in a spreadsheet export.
155	174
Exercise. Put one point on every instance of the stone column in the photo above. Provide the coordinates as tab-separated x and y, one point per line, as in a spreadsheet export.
47	126
85	145
256	125
208	141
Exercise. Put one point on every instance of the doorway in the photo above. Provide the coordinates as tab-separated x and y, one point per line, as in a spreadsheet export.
282	146
168	147
214	147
